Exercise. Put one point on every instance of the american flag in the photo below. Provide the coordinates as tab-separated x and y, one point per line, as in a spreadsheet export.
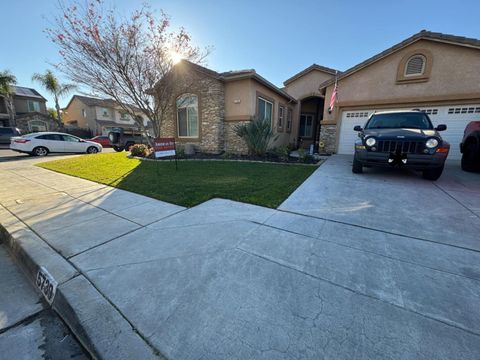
333	99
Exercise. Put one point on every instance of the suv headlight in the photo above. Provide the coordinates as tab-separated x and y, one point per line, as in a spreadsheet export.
370	141
431	143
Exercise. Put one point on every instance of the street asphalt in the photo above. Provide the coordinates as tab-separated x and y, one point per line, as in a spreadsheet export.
380	265
28	329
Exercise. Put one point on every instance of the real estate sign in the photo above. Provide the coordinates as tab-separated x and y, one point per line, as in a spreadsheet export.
164	147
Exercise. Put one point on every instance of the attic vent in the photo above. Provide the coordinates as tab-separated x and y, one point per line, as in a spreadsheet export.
415	65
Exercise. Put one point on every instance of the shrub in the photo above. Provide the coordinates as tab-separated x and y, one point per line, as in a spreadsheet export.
283	152
180	152
257	135
301	154
140	150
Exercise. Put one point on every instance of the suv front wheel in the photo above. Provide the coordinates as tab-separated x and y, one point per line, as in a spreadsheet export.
433	174
357	167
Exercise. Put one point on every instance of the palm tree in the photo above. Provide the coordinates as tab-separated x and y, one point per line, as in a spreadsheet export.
7	80
50	82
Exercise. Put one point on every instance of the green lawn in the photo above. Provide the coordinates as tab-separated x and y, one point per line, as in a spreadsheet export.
194	181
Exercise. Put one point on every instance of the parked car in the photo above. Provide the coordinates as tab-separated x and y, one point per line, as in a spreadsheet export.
124	139
102	140
43	143
6	133
401	138
470	147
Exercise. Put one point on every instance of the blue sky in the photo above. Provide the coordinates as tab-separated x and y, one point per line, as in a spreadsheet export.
277	38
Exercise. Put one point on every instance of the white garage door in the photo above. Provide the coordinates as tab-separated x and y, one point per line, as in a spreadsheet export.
456	117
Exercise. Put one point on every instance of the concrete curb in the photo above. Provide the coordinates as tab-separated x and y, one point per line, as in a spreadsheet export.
97	324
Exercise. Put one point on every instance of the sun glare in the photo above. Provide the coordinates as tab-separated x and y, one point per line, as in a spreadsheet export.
175	56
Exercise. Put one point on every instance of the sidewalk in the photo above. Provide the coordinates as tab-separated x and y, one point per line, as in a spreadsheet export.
142	278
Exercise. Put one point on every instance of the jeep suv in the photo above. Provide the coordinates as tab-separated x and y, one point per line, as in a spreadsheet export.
470	147
6	133
403	139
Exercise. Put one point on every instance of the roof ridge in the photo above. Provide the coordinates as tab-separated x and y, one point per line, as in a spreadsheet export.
423	34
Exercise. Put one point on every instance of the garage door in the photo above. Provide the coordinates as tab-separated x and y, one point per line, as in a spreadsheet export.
456	117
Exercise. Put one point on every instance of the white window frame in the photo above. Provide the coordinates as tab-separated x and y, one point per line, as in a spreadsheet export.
33	104
424	64
37	123
281	116
258	108
187	107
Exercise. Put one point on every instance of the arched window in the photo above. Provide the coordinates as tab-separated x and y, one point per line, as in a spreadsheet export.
415	65
187	115
37	125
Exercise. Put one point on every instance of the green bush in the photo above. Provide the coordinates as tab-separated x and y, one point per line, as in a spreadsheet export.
180	152
257	135
140	150
301	154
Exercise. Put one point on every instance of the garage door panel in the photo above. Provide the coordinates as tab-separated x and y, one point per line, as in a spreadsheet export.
456	117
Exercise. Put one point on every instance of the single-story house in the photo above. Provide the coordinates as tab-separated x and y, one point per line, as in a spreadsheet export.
433	72
436	73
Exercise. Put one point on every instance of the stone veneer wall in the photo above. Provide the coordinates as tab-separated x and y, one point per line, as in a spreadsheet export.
22	122
211	109
328	135
233	143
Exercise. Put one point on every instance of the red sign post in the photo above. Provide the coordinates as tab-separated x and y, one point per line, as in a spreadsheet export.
165	147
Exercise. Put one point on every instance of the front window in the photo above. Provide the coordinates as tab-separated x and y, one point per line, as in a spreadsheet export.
289	119
105	112
265	110
306	125
281	114
408	120
33	106
84	113
187	115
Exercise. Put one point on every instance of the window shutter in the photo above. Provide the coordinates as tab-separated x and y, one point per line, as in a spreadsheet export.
415	65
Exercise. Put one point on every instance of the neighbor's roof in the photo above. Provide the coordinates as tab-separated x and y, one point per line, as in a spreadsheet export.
422	35
309	69
27	92
239	75
93	101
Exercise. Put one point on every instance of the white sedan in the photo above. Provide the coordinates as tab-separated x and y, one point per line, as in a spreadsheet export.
42	143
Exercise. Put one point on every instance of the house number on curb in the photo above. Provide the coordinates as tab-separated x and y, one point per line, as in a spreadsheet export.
46	284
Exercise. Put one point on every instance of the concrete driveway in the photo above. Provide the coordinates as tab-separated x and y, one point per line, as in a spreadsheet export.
383	265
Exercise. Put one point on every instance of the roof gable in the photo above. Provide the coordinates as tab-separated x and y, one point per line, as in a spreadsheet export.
313	67
422	35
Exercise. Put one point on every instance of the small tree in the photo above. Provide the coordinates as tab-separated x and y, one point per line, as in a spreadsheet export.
129	59
257	134
7	80
50	83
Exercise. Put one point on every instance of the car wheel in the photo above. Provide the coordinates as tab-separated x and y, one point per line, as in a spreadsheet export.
432	174
118	148
40	151
357	167
471	157
92	150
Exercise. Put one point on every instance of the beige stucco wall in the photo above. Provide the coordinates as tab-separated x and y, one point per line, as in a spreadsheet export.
307	85
454	75
241	104
21	104
74	113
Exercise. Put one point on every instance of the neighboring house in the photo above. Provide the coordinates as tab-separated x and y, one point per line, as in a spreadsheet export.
30	111
207	106
98	115
433	72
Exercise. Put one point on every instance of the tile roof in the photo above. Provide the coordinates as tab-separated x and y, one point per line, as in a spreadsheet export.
311	68
422	35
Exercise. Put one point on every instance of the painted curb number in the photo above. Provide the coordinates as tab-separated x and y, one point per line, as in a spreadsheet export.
46	284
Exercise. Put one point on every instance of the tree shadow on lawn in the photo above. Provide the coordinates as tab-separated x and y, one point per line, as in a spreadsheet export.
194	182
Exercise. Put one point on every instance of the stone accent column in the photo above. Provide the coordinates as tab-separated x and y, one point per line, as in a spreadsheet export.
328	136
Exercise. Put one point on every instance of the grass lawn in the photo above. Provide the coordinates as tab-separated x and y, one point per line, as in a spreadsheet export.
194	181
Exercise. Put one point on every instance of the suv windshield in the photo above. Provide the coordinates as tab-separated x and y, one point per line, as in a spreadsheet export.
399	120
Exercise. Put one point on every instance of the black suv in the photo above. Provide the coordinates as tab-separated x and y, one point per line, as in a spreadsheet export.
401	138
8	132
